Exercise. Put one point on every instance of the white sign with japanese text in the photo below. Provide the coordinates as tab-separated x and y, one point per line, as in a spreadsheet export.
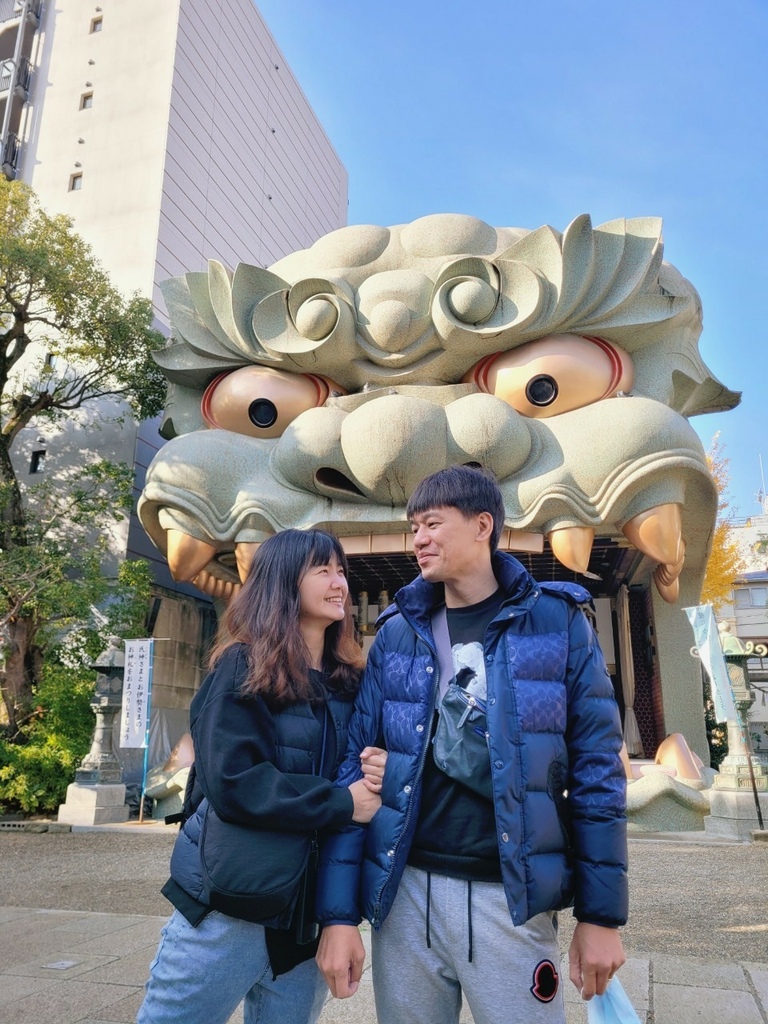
137	690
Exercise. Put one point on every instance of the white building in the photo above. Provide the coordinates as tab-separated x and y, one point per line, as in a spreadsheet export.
172	132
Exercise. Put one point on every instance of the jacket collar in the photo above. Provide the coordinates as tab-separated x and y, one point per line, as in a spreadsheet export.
417	600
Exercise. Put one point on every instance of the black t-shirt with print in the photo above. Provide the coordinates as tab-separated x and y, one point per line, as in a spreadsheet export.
456	828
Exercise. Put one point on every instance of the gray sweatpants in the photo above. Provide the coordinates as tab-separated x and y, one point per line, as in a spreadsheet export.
421	957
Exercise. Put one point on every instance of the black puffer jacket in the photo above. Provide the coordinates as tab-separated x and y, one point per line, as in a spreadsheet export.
257	767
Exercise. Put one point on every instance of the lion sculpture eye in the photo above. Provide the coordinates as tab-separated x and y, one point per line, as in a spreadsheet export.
261	402
555	374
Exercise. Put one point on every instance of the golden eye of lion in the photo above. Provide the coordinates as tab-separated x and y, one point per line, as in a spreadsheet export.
555	374
261	402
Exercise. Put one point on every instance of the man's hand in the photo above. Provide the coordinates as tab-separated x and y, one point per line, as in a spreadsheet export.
340	957
373	761
595	955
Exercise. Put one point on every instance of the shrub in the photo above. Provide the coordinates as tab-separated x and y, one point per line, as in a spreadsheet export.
35	773
34	777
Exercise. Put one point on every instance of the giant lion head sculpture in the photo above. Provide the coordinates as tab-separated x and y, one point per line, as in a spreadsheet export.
321	390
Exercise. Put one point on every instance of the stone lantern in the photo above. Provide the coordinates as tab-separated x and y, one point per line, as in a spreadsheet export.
100	764
97	796
739	798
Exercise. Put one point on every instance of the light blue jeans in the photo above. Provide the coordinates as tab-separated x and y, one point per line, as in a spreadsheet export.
201	974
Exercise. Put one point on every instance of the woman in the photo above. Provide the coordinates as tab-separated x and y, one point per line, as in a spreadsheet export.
269	725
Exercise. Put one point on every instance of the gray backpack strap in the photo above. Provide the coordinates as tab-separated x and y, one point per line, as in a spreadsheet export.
443	647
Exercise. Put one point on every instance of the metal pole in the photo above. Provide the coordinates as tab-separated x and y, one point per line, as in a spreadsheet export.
748	747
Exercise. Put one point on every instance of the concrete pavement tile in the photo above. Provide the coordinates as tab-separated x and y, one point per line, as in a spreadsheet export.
693	972
758	974
576	1013
35	922
37	933
126	970
12	988
66	1003
12	913
635	979
237	1016
95	925
20	950
53	966
124	1011
358	1009
145	932
675	1004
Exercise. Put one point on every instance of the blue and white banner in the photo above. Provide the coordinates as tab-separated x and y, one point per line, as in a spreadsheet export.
137	693
707	639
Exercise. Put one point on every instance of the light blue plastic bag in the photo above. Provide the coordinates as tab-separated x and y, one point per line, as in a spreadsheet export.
612	1008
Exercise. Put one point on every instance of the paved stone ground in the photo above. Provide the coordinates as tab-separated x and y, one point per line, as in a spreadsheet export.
80	913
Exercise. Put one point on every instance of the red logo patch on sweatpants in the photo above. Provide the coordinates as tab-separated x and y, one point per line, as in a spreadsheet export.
545	981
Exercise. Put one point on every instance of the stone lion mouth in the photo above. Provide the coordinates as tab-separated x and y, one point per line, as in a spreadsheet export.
657	533
334	480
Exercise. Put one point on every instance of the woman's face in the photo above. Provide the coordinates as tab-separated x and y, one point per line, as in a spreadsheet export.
323	593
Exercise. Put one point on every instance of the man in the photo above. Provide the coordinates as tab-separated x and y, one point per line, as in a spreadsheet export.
462	884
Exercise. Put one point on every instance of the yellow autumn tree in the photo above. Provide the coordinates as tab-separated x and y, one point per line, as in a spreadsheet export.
725	560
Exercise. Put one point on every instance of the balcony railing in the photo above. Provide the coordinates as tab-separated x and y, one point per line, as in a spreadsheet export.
10	9
11	151
22	80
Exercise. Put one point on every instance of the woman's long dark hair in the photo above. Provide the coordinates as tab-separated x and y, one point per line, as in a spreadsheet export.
265	617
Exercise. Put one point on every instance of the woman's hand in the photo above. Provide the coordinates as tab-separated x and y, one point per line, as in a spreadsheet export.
366	803
373	760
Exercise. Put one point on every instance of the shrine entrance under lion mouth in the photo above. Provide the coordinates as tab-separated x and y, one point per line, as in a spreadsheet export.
611	564
375	576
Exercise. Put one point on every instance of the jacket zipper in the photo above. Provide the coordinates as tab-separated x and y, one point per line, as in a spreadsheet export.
420	769
419	772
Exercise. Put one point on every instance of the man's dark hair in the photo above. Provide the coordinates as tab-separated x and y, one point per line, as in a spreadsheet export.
466	488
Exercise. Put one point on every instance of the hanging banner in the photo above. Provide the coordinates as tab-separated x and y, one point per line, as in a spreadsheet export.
707	639
137	692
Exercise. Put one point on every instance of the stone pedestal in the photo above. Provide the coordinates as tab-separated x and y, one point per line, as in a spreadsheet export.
733	813
94	805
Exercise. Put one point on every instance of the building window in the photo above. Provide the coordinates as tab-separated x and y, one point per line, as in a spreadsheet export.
86	101
37	462
76	182
97	24
752	597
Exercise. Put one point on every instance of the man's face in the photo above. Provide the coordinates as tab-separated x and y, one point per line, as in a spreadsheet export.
449	545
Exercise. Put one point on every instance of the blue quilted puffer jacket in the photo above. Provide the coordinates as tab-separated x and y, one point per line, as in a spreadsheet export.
558	784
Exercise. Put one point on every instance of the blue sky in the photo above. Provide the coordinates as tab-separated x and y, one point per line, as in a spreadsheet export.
532	113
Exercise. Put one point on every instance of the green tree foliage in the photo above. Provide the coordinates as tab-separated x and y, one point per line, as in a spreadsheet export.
34	774
55	735
67	340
